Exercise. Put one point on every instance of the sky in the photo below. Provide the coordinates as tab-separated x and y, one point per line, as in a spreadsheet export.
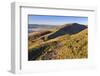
56	20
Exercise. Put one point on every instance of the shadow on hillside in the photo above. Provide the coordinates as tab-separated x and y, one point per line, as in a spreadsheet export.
68	29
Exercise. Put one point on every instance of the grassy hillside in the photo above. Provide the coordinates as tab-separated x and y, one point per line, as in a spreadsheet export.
64	46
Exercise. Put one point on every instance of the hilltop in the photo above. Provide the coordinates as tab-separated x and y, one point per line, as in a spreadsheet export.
68	29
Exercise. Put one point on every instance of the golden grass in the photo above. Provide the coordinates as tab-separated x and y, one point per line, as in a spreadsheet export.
62	47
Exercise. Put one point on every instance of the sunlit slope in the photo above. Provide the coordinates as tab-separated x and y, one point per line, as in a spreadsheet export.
64	46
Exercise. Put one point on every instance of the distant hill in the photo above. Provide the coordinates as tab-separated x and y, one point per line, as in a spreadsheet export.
37	27
40	26
67	42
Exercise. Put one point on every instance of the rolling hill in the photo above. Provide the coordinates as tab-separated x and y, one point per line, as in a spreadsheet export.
67	42
68	29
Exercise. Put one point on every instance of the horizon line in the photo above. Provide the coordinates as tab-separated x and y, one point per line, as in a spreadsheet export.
57	24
